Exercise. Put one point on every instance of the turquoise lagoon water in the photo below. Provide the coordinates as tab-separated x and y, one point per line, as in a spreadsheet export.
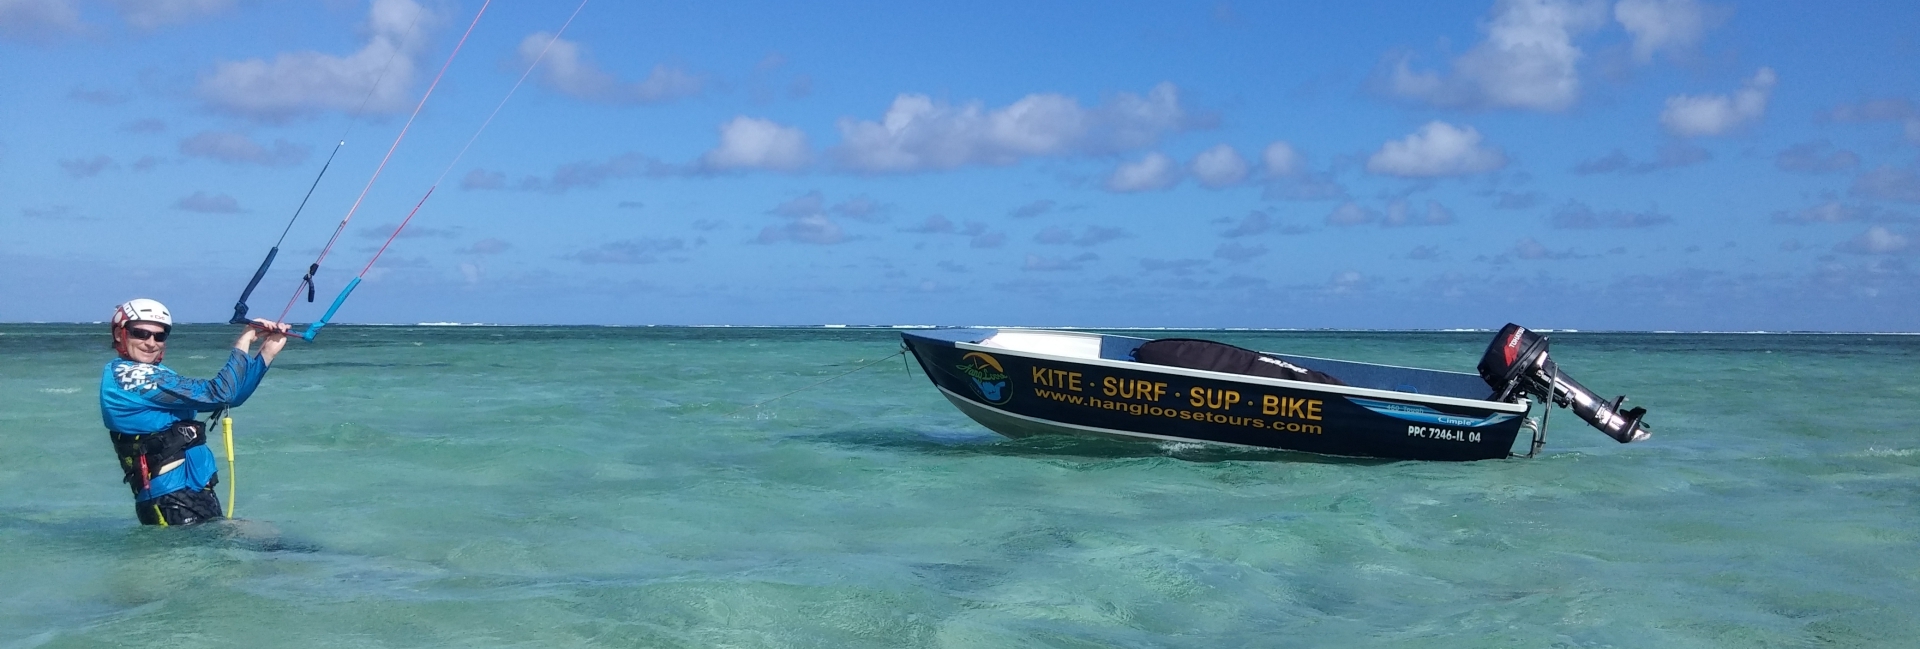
615	487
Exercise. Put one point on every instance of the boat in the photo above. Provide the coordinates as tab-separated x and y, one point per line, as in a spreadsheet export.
1030	382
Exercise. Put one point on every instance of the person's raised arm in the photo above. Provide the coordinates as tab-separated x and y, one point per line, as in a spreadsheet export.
275	341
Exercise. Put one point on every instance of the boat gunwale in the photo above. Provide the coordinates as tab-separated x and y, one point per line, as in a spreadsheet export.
1316	358
1342	390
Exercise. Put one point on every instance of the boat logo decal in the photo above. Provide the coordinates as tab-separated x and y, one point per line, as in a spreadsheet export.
989	378
1425	415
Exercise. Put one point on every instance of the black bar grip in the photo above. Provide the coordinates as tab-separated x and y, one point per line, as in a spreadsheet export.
240	307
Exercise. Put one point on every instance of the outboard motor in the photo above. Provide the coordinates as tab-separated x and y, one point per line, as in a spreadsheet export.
1516	363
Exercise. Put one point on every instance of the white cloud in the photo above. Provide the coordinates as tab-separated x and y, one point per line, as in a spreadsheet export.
1655	25
1154	172
918	133
568	70
1438	149
750	143
1528	60
1220	166
301	82
1691	115
151	14
1280	159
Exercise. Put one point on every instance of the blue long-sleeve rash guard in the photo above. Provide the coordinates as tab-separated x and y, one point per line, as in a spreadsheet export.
142	398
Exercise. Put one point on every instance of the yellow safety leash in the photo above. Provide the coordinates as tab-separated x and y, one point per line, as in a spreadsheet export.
226	426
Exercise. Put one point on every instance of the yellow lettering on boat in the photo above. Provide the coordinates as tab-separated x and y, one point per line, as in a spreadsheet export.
1054	378
1214	398
1288	407
1141	389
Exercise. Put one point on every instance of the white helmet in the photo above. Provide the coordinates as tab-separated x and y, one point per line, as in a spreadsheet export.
142	310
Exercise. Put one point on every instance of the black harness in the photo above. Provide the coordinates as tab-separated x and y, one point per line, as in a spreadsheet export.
141	456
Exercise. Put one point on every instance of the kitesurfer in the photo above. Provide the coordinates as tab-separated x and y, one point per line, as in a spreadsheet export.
149	411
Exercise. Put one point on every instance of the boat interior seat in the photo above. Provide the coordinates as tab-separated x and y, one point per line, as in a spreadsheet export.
1054	343
1396	379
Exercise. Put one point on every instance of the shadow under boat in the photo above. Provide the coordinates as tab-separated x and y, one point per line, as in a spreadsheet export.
1034	382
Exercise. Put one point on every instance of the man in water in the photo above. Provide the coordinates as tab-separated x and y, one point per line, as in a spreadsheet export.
149	411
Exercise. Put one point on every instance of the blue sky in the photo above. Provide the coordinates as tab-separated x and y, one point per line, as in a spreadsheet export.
1638	165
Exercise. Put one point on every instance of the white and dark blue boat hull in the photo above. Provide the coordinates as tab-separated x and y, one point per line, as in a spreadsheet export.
1036	382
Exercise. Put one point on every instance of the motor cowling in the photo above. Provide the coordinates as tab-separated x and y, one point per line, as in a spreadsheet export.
1516	363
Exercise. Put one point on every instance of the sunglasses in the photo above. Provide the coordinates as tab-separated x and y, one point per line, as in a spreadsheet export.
143	334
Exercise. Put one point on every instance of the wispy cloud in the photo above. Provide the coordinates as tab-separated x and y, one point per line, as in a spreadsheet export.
206	203
154	14
1898	110
1672	155
643	250
40	21
1878	240
1350	214
1092	235
806	222
1834	211
1051	264
1234	251
1888	183
236	148
1815	157
1516	200
918	133
1531	249
1401	213
584	174
567	69
86	167
1032	209
1575	215
489	246
1174	266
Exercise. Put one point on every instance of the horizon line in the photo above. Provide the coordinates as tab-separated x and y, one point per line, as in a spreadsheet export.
1064	327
